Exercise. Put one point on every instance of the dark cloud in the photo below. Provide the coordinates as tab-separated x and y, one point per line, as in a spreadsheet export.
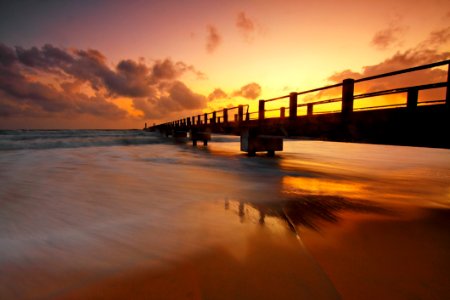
246	26
130	79
387	37
217	94
177	98
249	91
180	94
25	75
7	56
168	70
21	97
165	70
213	39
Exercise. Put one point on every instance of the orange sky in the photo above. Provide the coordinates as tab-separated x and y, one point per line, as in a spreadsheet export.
157	61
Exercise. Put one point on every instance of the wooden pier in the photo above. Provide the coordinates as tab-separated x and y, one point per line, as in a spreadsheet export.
412	122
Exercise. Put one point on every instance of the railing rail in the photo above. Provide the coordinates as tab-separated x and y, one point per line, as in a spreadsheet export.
347	98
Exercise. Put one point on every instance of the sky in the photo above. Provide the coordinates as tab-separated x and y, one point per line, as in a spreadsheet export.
118	64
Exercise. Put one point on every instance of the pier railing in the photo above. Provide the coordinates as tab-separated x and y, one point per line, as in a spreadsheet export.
346	97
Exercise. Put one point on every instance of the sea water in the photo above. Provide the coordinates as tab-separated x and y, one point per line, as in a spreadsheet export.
133	214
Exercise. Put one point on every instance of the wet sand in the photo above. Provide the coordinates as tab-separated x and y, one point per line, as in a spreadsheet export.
404	256
239	258
400	253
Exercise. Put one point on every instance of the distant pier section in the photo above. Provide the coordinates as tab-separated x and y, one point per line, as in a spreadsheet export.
353	117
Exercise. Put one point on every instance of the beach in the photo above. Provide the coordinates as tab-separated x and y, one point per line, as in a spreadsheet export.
128	214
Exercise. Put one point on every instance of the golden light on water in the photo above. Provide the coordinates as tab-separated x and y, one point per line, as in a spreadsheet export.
320	186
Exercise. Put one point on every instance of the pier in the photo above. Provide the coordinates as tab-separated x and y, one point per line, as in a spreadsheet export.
411	121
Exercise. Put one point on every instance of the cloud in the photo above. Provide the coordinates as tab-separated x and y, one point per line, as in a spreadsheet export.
25	98
403	60
213	39
424	53
7	56
54	81
217	94
249	91
339	76
246	26
177	98
437	38
168	70
389	36
180	94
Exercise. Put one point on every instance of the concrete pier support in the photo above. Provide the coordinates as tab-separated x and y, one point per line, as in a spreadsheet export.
252	142
179	136
196	135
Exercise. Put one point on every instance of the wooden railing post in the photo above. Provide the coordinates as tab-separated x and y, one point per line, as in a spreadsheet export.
309	109
261	110
348	86
240	113
282	112
293	106
206	118
412	98
213	117
225	115
199	120
447	98
188	123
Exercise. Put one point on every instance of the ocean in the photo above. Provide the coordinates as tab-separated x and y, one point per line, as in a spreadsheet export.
128	214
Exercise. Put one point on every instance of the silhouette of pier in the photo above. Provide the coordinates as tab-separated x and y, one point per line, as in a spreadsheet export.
412	121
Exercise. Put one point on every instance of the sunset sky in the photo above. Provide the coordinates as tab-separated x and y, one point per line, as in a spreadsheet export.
118	64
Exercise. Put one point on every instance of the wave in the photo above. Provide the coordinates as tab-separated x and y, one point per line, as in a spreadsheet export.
48	139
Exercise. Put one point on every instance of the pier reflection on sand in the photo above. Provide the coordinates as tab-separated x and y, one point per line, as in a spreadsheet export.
395	253
309	210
